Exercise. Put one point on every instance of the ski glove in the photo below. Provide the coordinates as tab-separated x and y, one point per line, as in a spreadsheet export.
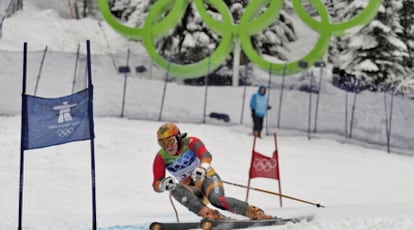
199	174
167	184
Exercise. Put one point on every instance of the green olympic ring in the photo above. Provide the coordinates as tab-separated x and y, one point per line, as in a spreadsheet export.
157	25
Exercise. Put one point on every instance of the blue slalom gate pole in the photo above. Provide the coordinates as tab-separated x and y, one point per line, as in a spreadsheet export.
91	132
23	126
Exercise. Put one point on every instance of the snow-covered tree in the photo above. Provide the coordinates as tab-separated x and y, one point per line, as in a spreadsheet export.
339	12
83	8
407	33
14	6
131	12
406	83
377	50
10	8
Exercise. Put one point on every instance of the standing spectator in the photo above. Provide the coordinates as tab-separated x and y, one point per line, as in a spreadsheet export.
259	106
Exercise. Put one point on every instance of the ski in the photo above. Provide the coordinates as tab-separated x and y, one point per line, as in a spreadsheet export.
226	224
174	225
239	224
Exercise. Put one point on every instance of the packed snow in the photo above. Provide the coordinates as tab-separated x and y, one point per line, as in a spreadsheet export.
362	188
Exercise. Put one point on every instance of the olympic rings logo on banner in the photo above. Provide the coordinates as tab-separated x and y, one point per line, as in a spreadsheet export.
65	132
264	165
155	26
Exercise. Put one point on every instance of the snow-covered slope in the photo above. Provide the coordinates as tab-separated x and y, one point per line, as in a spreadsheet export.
361	188
46	27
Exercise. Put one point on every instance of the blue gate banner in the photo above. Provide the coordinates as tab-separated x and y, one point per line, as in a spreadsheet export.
54	121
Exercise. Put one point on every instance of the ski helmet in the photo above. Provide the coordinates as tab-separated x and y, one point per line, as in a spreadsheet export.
167	130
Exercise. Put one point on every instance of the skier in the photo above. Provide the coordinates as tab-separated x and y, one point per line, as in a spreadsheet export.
259	106
188	161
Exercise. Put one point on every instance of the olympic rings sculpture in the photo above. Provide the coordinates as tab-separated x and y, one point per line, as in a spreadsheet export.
156	26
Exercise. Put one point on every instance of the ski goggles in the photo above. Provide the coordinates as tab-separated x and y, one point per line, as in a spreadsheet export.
166	142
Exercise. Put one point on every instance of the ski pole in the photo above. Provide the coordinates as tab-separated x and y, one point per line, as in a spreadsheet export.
175	210
275	193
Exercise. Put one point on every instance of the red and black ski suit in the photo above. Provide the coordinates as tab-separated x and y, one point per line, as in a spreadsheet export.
190	155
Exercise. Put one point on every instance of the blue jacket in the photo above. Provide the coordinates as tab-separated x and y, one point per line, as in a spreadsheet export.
258	102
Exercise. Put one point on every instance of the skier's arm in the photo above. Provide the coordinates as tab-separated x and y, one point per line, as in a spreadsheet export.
198	147
158	170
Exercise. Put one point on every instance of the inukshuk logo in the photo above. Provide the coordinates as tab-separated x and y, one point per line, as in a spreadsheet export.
65	126
252	22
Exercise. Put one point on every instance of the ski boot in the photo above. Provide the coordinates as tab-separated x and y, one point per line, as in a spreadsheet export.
256	213
210	214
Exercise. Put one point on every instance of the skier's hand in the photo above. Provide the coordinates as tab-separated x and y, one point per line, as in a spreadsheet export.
199	174
167	184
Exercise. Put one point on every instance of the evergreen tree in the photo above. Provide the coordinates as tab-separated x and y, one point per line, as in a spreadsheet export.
84	8
407	33
406	85
132	12
14	5
376	50
339	12
10	7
